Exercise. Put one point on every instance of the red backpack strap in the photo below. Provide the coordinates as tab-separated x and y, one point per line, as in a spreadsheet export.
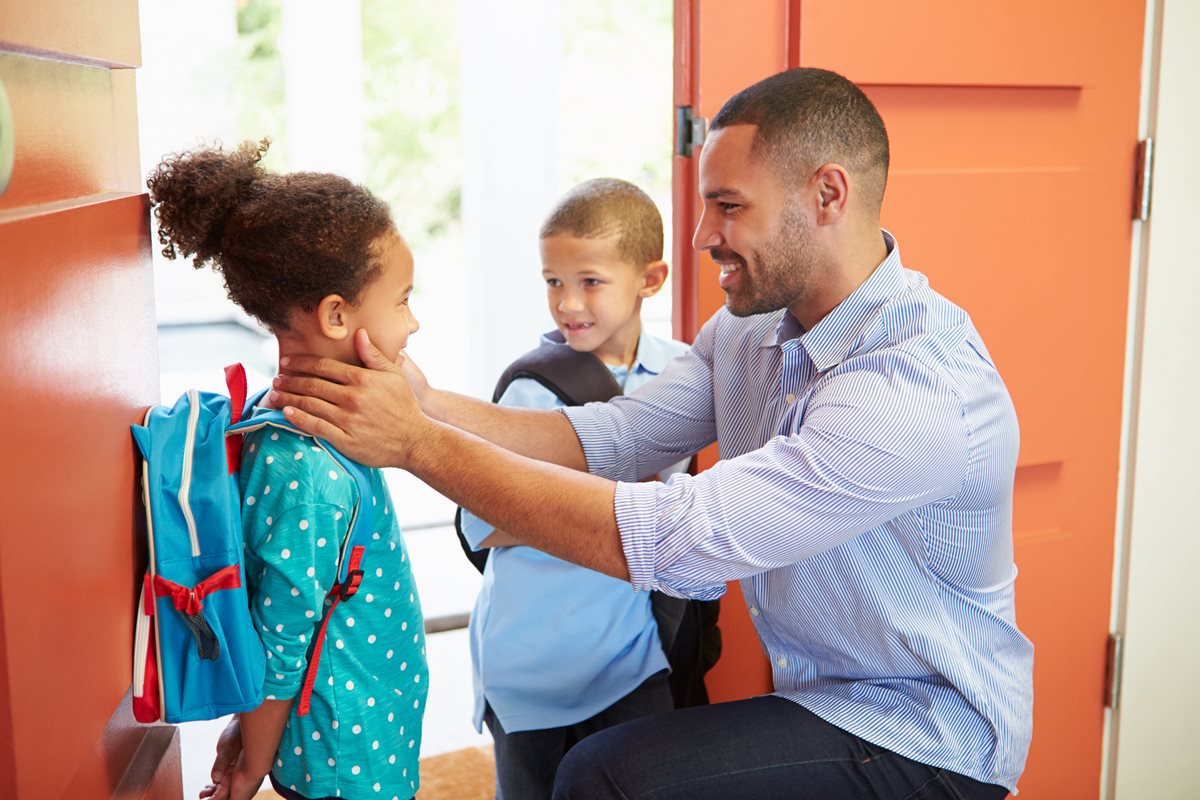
235	380
340	591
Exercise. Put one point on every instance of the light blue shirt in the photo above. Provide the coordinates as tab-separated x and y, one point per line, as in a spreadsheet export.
553	643
864	499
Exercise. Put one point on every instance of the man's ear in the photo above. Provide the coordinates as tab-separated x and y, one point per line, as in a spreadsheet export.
333	319
653	278
833	193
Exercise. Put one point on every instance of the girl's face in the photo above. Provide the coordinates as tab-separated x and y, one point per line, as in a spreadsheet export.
383	308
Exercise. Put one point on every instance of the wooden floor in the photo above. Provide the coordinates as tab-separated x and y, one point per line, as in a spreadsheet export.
465	774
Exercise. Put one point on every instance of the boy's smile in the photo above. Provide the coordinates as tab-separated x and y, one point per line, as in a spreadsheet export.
595	296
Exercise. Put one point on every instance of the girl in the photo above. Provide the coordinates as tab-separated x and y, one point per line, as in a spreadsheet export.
313	257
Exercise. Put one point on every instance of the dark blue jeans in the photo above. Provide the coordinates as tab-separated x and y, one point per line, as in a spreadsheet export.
527	760
764	748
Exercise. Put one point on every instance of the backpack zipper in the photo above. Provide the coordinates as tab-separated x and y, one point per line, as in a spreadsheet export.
185	483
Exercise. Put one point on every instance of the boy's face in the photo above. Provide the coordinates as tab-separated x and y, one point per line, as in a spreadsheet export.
595	297
383	307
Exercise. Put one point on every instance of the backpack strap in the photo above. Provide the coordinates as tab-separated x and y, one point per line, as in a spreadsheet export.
235	381
350	573
573	377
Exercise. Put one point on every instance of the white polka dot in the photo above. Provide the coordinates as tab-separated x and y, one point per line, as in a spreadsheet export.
285	554
374	536
356	729
295	592
335	724
293	484
274	437
266	601
402	733
332	475
321	542
391	717
387	612
266	490
371	702
416	638
370	598
374	501
332	762
340	644
311	571
350	685
371	639
279	629
376	787
396	586
379	572
412	742
310	613
298	750
391	759
385	510
269	520
411	597
403	666
392	545
331	680
270	459
349	622
416	703
375	746
279	648
250	500
270	696
299	454
389	653
253	447
316	735
338	515
403	558
403	626
314	447
417	678
278	676
356	769
307	778
279	762
303	524
303	638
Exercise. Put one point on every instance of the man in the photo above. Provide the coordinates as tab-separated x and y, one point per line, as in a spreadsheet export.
863	496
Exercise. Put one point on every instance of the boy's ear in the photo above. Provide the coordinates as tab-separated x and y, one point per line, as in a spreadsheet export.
653	278
333	319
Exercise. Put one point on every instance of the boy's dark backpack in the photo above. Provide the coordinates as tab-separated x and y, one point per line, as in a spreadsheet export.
688	628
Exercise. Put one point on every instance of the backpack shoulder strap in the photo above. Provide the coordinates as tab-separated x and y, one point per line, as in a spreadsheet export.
575	378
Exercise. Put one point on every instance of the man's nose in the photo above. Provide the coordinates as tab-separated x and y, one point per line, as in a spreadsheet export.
707	235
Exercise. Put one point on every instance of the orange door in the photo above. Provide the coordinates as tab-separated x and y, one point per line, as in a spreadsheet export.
79	362
1013	129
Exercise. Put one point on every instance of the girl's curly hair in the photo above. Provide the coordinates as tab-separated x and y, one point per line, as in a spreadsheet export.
280	242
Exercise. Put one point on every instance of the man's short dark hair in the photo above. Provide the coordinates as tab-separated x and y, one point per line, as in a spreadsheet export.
605	207
807	117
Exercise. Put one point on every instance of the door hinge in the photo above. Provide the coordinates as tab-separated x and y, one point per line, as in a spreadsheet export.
689	131
1144	180
1112	670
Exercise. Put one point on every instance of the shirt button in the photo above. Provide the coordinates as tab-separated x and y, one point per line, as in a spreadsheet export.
791	397
781	661
753	611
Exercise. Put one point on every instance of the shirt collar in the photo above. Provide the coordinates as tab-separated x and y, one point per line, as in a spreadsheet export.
831	340
652	356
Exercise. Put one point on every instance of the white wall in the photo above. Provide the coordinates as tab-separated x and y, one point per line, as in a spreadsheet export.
1158	722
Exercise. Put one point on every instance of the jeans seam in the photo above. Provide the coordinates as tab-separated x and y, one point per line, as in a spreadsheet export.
766	768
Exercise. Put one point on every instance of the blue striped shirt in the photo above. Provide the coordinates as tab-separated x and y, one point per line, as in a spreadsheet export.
864	498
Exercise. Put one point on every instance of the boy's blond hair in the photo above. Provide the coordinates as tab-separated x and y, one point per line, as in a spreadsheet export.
605	207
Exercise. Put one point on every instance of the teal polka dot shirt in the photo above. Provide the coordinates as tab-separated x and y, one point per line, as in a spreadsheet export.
362	736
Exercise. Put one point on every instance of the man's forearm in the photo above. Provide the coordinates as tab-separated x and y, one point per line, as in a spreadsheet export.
564	512
537	433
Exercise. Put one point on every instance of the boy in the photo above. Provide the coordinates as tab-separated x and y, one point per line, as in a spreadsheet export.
558	651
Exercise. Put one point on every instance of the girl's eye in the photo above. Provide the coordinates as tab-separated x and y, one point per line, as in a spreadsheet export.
553	282
591	281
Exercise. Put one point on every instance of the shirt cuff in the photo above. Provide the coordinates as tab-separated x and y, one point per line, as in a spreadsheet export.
638	515
475	530
597	432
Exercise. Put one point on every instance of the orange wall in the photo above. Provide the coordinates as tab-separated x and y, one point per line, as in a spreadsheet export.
79	363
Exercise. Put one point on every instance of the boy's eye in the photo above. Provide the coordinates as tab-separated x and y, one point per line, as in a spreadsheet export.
591	281
553	282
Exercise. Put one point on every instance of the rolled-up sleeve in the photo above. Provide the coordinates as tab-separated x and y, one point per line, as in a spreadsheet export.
871	447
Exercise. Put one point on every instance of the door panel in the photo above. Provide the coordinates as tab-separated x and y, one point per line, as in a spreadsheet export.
1013	128
79	360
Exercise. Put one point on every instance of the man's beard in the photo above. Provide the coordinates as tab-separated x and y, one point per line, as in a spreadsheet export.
777	275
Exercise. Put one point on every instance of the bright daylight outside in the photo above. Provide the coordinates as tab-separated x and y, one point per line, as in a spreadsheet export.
469	119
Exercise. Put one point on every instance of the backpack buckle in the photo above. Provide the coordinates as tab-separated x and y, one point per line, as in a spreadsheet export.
348	587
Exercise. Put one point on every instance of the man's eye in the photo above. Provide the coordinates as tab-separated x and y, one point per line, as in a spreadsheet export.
728	208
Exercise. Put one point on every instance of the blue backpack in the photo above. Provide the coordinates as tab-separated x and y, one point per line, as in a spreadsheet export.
196	652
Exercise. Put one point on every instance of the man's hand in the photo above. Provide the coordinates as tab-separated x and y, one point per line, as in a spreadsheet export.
369	414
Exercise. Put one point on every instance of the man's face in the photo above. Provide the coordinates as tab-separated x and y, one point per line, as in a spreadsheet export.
753	226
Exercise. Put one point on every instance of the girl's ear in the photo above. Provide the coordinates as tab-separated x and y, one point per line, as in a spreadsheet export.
653	278
333	320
